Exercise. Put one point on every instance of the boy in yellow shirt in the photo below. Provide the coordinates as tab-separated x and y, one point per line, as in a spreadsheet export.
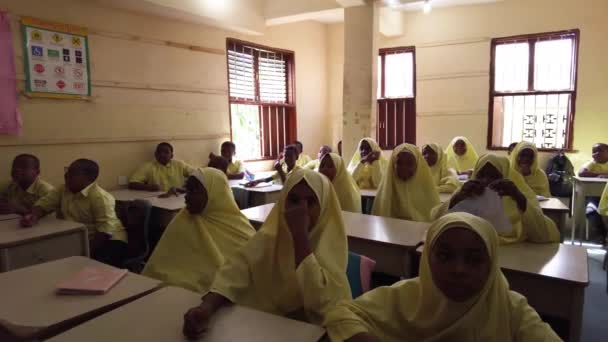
163	174
303	159
82	200
598	167
26	188
236	168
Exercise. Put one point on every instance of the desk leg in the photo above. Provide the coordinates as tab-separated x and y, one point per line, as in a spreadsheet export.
576	315
578	208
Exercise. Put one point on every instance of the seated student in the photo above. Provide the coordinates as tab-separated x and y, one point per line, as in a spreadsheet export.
460	295
461	156
332	166
407	191
444	179
82	200
560	172
598	167
303	159
294	266
524	160
210	230
26	188
368	165
218	163
163	174
519	201
283	167
236	168
603	211
511	148
314	164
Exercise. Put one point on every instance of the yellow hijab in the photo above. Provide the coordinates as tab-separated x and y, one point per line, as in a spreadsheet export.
193	247
444	178
345	186
368	176
409	200
263	274
537	180
603	209
461	163
416	310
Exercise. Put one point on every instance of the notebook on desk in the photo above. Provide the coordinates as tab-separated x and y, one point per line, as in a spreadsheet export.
91	280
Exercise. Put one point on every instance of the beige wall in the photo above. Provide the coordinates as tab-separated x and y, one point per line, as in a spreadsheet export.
335	61
144	92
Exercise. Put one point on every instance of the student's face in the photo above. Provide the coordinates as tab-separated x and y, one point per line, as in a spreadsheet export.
405	166
75	179
24	172
429	155
196	196
227	152
365	149
488	174
164	155
459	263
291	157
328	168
300	147
525	158
302	195
600	153
460	148
323	151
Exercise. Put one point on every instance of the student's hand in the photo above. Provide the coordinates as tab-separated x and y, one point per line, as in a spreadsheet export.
29	220
7	207
172	192
277	165
372	157
252	183
505	187
472	188
196	321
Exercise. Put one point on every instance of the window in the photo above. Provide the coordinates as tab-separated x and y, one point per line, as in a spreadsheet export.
262	101
533	90
396	107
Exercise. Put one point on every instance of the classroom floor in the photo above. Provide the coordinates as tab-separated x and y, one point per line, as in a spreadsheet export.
595	317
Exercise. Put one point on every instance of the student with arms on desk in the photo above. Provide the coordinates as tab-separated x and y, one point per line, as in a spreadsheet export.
598	167
460	295
26	188
294	266
164	174
235	168
283	167
82	200
368	165
524	160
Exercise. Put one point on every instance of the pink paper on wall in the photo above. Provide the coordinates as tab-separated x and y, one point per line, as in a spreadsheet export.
10	118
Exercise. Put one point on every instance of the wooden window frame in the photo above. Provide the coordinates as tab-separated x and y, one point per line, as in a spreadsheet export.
531	39
265	108
403	104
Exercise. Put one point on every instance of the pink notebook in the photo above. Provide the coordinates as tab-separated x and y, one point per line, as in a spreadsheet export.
91	280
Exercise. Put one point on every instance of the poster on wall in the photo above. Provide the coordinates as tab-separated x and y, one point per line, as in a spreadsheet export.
56	59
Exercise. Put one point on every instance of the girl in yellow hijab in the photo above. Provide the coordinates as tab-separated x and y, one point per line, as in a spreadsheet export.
208	231
444	179
603	208
407	191
460	295
367	165
461	155
524	159
295	265
519	201
332	166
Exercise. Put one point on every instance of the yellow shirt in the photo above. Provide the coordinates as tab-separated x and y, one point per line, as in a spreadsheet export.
303	159
234	167
93	206
26	198
167	176
595	167
603	209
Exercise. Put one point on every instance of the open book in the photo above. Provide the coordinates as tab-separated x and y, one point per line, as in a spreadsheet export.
489	207
91	280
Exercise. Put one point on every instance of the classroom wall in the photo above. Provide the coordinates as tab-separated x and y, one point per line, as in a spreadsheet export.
145	92
335	60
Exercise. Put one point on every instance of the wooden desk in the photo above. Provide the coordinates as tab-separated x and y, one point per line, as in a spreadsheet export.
556	210
171	203
369	193
9	217
28	297
552	276
163	320
386	240
583	187
265	195
50	239
126	195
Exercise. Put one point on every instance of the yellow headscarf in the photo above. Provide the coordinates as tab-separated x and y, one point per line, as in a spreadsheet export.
603	209
537	180
461	163
531	225
263	274
444	178
409	200
193	247
368	176
416	310
345	186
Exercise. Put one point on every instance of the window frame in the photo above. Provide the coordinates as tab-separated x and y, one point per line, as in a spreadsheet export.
289	104
530	39
391	51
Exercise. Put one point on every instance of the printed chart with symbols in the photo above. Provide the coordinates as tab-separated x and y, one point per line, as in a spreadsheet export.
56	59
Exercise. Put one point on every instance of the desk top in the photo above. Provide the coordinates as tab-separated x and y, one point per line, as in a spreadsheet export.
553	204
234	323
591	179
368	193
258	214
564	262
171	203
132	195
28	294
11	232
271	188
9	217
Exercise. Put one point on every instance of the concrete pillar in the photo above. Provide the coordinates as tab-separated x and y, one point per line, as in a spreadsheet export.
360	75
